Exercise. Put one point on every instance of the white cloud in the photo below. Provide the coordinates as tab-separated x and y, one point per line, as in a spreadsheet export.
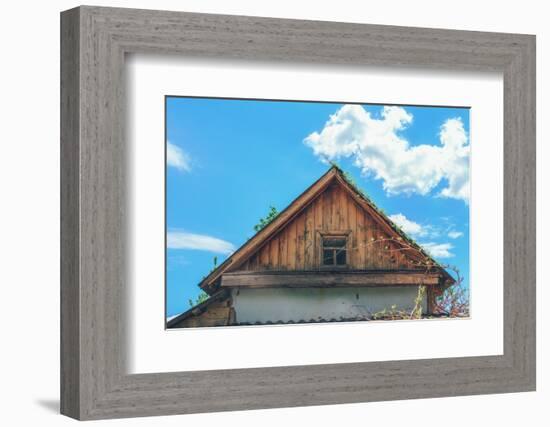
377	148
407	225
455	234
415	229
177	158
201	242
438	250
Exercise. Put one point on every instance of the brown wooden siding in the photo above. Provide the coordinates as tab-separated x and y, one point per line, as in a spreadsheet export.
297	246
219	313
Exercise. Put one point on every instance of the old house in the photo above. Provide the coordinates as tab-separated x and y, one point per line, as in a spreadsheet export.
331	255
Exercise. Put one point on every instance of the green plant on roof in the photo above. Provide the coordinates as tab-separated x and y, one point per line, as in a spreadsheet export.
203	296
351	181
271	215
215	264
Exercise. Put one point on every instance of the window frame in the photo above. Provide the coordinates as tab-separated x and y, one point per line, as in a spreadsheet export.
336	234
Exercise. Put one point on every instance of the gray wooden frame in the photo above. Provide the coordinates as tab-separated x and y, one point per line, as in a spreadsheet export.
94	41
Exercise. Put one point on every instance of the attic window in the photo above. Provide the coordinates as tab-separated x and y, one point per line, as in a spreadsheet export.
334	250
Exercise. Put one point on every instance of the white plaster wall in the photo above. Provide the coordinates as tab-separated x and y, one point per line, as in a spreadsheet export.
315	304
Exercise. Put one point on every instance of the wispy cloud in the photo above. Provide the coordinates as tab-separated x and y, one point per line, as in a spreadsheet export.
407	225
455	234
438	250
177	158
413	228
377	148
200	242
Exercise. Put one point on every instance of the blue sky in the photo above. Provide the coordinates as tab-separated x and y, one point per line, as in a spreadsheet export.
229	160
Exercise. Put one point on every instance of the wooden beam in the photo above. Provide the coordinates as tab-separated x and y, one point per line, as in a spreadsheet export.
323	279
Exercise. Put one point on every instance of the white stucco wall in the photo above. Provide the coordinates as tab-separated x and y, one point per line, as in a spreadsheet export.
315	304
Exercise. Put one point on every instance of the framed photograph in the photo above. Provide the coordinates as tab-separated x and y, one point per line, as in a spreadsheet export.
331	254
282	213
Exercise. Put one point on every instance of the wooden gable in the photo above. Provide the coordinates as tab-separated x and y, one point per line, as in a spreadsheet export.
332	206
334	212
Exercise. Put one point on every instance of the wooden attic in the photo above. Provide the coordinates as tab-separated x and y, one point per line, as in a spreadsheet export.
330	236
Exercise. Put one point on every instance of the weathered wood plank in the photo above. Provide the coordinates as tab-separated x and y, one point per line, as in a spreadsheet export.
291	245
361	240
264	256
327	210
254	262
283	250
274	254
384	252
300	222
403	261
345	201
318	207
370	230
329	279
337	218
353	249
309	234
334	220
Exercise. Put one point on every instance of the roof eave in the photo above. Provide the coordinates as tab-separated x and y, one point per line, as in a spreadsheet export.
222	293
258	239
208	283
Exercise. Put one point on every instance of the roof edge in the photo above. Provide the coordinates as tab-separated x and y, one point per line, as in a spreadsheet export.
285	216
278	222
222	293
